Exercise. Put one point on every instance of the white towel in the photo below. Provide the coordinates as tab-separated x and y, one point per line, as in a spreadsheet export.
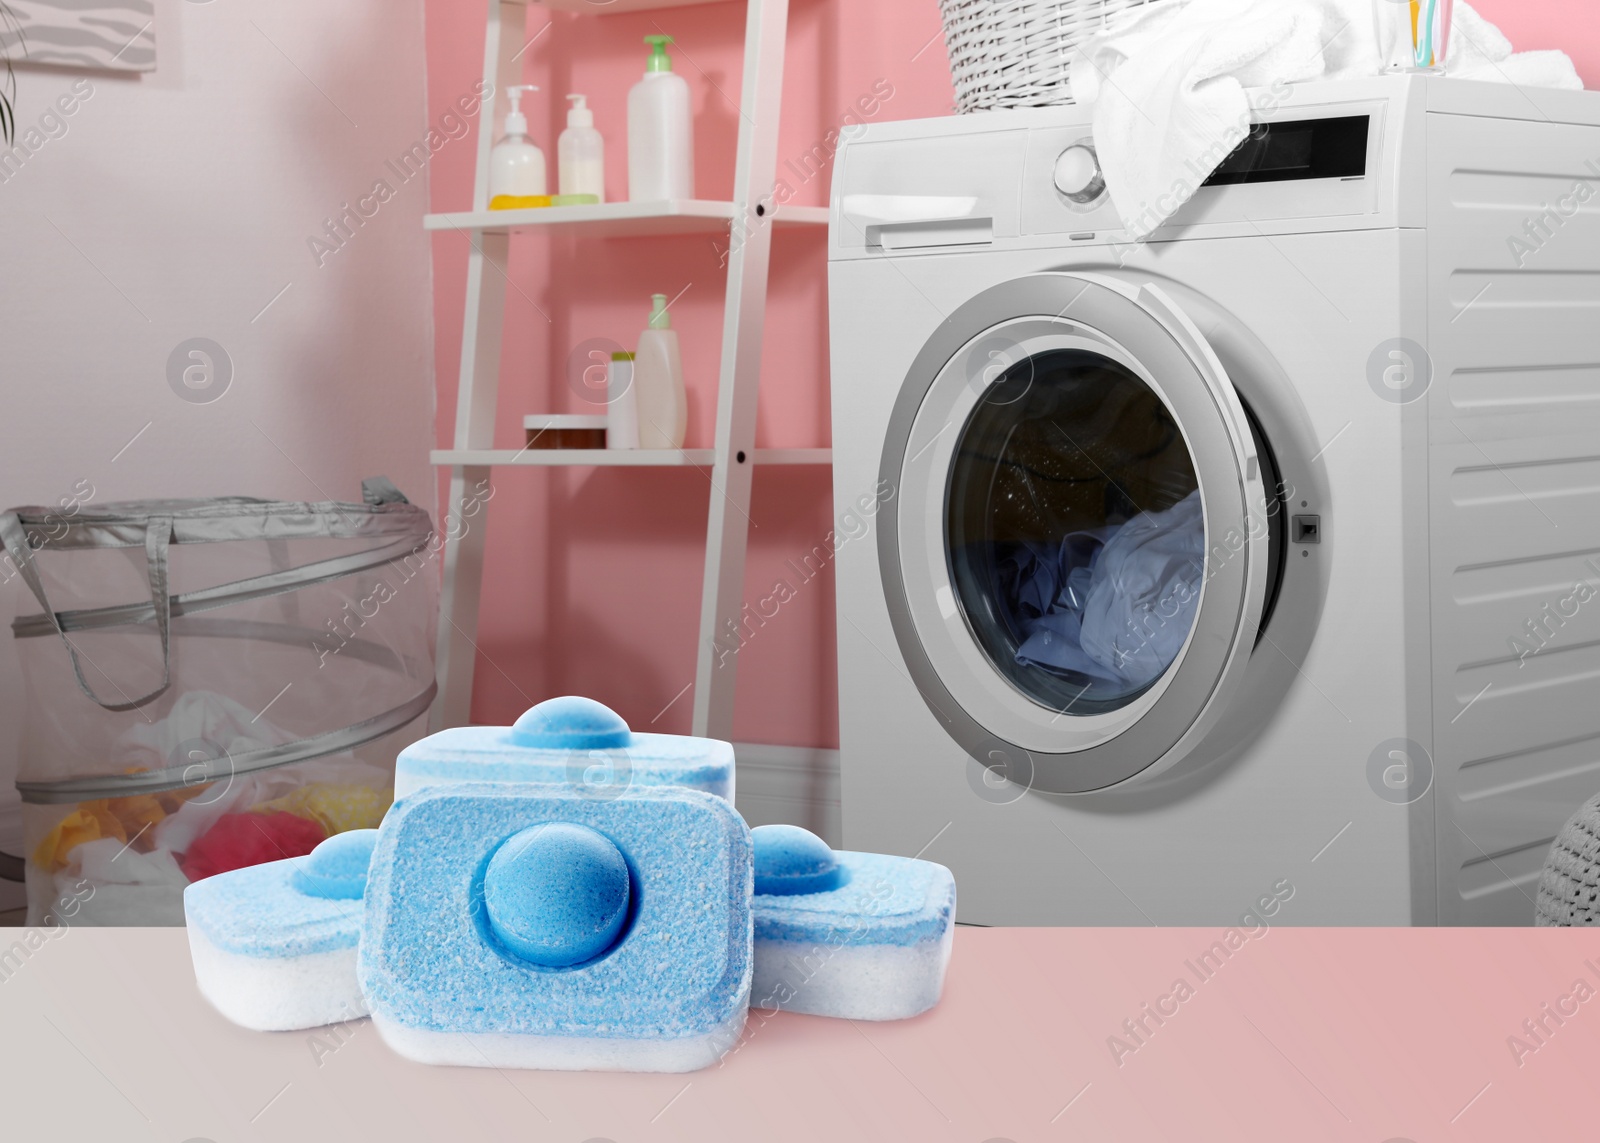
1168	86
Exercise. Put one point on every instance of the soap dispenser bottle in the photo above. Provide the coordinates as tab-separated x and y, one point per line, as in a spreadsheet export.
660	139
581	154
516	165
659	395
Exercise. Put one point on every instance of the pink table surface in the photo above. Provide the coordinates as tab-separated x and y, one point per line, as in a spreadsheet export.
1301	1034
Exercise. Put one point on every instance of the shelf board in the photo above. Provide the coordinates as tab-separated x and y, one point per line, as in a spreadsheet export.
616	457
611	7
619	219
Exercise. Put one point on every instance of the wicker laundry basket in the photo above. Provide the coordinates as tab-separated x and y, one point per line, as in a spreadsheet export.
1016	53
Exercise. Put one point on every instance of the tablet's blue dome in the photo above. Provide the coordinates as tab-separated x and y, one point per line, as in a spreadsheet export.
790	860
571	723
337	868
557	894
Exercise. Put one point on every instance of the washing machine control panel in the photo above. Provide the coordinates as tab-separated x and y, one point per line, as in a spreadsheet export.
1077	174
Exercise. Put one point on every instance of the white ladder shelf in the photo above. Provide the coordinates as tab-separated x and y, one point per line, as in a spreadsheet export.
733	453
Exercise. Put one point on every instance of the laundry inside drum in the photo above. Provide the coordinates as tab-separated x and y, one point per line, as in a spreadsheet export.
1075	532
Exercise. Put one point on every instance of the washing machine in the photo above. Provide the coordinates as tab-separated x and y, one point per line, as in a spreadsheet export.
1248	575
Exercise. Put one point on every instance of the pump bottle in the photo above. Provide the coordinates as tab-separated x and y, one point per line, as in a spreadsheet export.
516	165
581	154
660	135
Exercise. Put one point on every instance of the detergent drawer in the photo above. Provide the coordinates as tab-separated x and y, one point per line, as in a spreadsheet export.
910	194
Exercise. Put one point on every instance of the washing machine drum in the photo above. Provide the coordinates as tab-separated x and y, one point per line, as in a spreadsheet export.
1082	548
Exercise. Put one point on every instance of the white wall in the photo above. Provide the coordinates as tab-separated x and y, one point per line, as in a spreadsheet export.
177	204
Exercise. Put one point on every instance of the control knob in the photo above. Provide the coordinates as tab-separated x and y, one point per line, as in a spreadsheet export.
1077	174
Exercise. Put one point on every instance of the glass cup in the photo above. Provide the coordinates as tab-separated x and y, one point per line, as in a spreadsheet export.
1413	35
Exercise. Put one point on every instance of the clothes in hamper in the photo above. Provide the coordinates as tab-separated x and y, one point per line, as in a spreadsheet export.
126	819
238	840
108	883
337	808
351	794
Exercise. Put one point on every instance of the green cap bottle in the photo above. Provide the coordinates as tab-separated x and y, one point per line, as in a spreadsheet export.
659	60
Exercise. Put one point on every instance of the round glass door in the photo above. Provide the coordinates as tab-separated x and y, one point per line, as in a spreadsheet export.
1075	531
1071	568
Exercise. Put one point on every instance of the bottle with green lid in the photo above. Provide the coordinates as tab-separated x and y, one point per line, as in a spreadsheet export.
622	407
659	394
660	131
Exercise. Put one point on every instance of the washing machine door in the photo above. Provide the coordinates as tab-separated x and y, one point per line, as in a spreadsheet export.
1076	563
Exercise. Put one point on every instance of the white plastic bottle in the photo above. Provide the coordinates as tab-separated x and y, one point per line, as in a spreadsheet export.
581	154
659	395
516	165
622	408
660	133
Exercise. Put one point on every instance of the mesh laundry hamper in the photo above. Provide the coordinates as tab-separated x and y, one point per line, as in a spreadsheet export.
211	684
1017	53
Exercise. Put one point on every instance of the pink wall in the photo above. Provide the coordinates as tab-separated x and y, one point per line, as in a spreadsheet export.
593	580
593	577
1571	25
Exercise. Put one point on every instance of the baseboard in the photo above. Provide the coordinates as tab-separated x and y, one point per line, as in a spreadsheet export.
792	785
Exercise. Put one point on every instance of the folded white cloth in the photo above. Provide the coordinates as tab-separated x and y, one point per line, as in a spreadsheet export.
1168	86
